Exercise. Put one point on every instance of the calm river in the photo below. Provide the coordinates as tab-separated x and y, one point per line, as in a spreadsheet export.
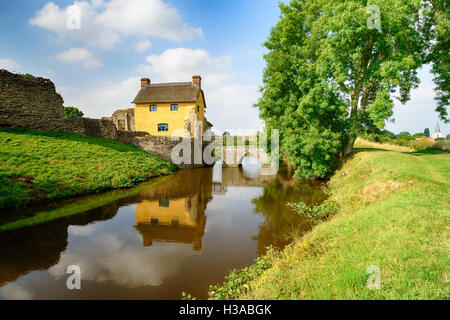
181	235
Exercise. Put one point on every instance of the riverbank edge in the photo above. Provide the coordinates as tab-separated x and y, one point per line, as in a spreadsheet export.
81	204
393	216
137	166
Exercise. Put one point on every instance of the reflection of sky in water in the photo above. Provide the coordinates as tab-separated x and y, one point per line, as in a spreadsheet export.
13	291
115	263
116	254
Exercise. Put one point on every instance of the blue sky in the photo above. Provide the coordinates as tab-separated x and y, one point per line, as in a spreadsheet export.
97	67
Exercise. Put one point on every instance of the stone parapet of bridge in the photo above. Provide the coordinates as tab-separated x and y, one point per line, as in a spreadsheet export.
233	155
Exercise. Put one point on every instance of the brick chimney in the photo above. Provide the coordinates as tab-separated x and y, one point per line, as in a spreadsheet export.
145	82
197	81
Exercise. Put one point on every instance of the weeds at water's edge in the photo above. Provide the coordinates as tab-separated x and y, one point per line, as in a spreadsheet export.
321	212
187	296
235	283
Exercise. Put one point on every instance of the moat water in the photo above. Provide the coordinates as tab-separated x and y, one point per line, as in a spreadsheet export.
183	234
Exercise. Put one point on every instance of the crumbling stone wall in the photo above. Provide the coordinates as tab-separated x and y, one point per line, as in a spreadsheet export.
123	119
128	136
159	146
29	102
92	127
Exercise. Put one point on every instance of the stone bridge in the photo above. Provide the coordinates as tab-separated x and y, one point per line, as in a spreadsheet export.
233	155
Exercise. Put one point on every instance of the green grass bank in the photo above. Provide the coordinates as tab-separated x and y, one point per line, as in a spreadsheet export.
37	166
393	213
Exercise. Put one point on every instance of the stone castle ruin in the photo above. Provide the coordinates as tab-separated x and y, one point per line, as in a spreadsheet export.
33	103
30	102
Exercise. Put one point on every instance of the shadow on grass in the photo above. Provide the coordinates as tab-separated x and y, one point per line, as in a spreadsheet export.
363	149
107	143
429	151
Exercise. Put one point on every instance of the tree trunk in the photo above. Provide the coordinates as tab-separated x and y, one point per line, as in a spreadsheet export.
349	147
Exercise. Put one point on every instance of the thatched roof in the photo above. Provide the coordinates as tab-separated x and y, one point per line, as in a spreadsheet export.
168	93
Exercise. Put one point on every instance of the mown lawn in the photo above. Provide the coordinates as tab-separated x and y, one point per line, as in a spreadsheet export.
38	166
394	214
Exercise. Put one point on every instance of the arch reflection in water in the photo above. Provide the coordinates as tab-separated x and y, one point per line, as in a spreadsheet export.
251	167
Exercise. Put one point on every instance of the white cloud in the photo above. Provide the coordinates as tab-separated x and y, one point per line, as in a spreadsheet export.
9	65
104	23
180	63
147	17
79	55
143	45
102	101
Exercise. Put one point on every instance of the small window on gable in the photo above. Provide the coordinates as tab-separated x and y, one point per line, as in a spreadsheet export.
164	203
198	108
163	127
153	108
173	107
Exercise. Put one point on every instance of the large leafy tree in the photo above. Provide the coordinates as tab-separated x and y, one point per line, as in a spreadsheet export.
333	70
439	34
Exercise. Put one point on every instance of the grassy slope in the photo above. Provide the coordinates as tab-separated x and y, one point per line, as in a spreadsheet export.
394	214
40	166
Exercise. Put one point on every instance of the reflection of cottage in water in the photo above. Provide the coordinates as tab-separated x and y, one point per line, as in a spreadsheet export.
175	211
176	220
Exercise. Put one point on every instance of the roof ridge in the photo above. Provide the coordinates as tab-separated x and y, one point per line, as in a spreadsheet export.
171	84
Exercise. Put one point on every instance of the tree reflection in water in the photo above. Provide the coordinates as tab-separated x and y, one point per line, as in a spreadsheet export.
281	224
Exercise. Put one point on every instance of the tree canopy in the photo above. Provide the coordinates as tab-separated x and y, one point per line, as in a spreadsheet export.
72	113
334	69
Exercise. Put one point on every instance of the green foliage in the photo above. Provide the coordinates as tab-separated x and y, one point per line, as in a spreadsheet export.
38	166
329	77
72	113
321	212
426	132
438	31
419	135
405	136
187	296
235	283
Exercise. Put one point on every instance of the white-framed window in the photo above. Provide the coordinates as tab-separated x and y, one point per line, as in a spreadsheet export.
153	108
163	127
174	107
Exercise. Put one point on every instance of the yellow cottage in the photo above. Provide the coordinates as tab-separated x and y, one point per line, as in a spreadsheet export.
167	109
